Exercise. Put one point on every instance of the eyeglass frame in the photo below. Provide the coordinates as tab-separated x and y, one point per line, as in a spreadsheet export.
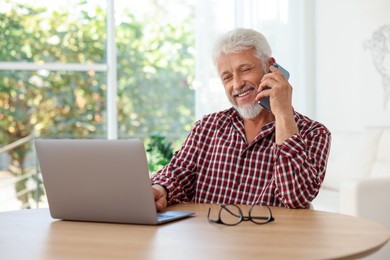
241	216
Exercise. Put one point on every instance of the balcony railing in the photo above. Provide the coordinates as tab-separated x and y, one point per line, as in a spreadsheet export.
20	188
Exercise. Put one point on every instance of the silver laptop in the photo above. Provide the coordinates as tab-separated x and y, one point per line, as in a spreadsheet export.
99	180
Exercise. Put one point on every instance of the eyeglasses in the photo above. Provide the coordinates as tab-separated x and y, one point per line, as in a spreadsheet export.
232	215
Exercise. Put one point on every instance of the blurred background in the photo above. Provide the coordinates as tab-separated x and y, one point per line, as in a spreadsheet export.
142	69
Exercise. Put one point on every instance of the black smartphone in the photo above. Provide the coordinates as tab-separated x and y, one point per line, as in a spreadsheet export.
264	102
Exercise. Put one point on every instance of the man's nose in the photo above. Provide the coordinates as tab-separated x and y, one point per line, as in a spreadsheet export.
238	82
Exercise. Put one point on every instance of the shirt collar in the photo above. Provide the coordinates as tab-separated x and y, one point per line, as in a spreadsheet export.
238	123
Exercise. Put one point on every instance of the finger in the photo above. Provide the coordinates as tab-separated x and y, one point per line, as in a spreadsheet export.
161	204
266	83
266	92
273	68
159	198
277	73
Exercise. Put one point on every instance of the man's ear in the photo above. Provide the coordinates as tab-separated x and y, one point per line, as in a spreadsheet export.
271	61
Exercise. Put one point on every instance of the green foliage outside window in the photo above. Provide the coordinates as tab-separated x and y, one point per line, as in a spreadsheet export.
160	152
155	72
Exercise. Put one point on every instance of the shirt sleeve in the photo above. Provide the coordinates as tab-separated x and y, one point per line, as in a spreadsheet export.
300	166
178	176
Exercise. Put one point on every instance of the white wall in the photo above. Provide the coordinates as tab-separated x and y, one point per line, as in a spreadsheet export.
348	88
345	74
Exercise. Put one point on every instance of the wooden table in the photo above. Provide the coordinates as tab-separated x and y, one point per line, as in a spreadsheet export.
295	234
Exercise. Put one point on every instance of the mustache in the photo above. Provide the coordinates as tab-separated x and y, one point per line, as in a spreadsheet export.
246	88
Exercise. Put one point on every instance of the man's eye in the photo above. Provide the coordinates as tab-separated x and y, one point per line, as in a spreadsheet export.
226	78
246	69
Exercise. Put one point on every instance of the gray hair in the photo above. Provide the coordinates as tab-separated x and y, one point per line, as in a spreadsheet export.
241	39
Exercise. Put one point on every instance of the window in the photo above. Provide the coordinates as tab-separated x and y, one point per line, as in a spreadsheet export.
156	59
70	70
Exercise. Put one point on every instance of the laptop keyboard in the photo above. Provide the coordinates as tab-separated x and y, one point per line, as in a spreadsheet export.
164	215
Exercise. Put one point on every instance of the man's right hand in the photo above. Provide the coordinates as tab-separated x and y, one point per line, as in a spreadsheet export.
160	197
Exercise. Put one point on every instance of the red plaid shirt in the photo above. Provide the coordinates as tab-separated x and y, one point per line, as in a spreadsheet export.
216	165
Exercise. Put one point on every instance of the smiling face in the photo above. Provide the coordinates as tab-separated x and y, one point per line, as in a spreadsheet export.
241	74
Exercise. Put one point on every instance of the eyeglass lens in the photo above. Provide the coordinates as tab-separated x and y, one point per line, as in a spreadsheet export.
260	214
230	214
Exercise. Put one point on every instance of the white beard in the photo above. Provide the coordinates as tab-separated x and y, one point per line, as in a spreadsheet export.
249	111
